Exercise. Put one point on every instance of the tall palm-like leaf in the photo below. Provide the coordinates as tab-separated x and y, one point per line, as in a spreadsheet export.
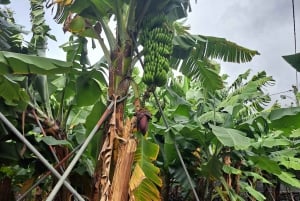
11	33
192	56
249	93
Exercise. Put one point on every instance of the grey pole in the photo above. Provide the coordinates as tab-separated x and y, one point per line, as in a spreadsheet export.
43	177
79	153
40	156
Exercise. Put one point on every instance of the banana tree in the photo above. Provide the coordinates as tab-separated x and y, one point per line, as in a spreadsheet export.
136	23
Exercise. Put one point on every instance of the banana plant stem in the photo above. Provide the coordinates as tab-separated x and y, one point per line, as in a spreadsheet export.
79	153
39	155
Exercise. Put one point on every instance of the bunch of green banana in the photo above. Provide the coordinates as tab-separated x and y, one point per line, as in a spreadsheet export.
156	38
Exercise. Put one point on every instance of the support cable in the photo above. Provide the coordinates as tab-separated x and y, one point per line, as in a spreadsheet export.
43	177
39	155
81	150
295	41
176	148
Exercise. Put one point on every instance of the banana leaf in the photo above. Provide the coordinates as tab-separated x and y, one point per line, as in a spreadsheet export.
15	63
293	60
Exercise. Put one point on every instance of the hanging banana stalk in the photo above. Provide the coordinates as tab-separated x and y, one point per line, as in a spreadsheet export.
156	38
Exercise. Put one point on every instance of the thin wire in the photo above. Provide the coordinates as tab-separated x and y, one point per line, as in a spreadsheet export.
176	148
295	42
282	92
62	179
294	21
39	155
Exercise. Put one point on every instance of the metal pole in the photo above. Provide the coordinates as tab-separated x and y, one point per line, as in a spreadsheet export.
79	153
40	156
47	174
177	149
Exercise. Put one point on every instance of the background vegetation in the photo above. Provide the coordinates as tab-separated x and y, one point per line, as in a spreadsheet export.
194	137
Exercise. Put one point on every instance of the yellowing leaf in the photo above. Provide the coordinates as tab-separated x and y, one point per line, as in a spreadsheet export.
145	178
137	177
64	2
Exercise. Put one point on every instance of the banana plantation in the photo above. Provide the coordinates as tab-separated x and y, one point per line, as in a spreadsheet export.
153	119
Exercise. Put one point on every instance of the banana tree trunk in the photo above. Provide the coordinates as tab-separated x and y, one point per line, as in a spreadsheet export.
114	163
121	178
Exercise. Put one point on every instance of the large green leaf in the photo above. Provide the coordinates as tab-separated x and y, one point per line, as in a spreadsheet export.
249	92
210	79
220	48
249	189
212	47
286	119
27	64
290	162
273	142
146	153
231	137
273	139
280	113
293	60
104	7
212	169
211	116
289	178
176	99
4	1
9	152
49	140
184	44
182	114
87	91
203	70
266	163
90	123
256	176
12	93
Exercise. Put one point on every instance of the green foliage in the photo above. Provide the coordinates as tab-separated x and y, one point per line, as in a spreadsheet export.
40	29
12	93
228	122
145	155
209	122
211	47
11	33
25	64
231	137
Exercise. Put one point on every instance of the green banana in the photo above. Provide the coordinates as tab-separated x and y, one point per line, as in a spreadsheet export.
156	39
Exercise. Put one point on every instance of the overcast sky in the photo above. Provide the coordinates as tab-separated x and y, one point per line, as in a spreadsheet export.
265	26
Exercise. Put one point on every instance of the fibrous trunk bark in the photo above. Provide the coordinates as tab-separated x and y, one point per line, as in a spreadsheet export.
116	155
122	173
